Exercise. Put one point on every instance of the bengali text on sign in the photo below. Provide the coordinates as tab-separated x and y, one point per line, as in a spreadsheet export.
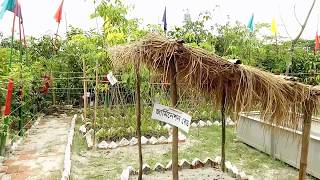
171	116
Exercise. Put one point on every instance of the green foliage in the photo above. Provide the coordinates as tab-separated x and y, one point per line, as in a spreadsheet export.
118	29
120	122
128	78
194	32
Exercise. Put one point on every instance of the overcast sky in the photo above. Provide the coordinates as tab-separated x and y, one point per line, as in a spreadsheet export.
38	14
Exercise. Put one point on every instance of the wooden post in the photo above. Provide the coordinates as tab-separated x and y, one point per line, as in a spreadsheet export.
52	87
20	110
96	98
223	130
20	93
307	115
138	115
84	90
68	90
174	100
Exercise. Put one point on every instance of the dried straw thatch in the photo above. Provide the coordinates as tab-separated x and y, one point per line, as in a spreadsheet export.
246	87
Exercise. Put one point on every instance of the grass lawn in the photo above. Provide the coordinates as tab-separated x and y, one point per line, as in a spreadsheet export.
201	143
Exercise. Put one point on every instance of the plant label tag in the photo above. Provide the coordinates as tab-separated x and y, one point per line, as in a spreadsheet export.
171	116
111	78
88	94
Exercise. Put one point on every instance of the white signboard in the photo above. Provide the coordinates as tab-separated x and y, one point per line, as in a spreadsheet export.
171	116
111	78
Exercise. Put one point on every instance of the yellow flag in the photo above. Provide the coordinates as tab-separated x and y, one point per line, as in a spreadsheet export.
274	26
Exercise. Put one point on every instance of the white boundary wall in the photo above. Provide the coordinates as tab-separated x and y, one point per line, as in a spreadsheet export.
284	144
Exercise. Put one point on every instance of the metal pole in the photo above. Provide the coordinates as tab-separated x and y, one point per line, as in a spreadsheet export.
138	115
307	115
174	100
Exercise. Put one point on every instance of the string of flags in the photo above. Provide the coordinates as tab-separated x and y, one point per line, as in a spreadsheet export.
15	7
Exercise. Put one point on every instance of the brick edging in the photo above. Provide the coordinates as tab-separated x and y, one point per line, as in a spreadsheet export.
231	170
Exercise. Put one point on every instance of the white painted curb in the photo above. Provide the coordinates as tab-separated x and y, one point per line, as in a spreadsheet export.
67	154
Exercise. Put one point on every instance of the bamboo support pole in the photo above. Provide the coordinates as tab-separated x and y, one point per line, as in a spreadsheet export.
138	115
20	124
174	100
20	111
96	98
223	130
84	91
307	115
68	91
52	85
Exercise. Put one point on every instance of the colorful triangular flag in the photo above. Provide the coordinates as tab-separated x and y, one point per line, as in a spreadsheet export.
17	11
274	26
7	5
250	24
164	19
58	14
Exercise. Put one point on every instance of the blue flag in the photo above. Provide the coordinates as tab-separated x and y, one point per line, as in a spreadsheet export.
164	19
7	5
250	24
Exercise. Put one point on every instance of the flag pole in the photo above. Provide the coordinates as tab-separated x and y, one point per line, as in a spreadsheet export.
57	31
174	100
12	35
21	85
57	17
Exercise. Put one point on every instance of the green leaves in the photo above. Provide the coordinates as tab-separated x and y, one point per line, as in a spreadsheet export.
117	28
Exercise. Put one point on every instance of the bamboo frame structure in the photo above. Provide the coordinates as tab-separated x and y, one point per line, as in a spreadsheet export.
307	115
174	100
280	101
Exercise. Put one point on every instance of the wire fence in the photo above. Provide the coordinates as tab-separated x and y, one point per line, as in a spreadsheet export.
67	88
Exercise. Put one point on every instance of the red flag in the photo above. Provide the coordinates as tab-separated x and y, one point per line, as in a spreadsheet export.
8	98
316	42
58	14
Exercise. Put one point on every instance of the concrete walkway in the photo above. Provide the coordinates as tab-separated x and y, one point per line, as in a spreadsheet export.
41	155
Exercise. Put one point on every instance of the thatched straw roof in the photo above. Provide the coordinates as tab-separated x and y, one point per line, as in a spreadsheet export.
247	88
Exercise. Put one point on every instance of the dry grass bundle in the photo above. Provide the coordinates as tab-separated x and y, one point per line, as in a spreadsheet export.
279	100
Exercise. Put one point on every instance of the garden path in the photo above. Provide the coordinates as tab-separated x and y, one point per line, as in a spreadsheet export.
41	154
